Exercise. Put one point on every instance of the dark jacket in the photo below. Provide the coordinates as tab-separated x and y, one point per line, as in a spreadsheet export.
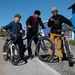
14	28
34	25
57	24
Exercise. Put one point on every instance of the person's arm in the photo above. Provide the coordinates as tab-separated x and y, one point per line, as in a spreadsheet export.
28	22
41	23
7	27
21	30
67	21
50	22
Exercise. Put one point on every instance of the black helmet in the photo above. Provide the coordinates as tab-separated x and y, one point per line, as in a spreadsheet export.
17	15
37	12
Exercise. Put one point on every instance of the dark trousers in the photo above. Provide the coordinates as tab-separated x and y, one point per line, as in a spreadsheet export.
19	41
28	41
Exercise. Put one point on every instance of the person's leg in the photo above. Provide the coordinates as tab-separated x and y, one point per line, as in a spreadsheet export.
29	44
35	41
59	43
21	48
17	42
53	40
29	37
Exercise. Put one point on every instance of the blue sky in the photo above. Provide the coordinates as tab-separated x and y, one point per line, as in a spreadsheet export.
8	8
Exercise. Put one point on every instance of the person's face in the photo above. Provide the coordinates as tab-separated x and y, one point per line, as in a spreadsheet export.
54	13
17	19
36	16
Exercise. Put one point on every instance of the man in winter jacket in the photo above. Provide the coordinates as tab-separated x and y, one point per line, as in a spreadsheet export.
33	23
55	22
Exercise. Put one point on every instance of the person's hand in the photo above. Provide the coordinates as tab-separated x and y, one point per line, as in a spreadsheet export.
70	28
4	30
40	27
51	19
21	31
29	26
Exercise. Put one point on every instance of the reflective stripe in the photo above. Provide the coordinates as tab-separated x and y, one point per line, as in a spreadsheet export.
4	53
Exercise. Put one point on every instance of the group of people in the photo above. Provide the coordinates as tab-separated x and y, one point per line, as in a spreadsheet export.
33	23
